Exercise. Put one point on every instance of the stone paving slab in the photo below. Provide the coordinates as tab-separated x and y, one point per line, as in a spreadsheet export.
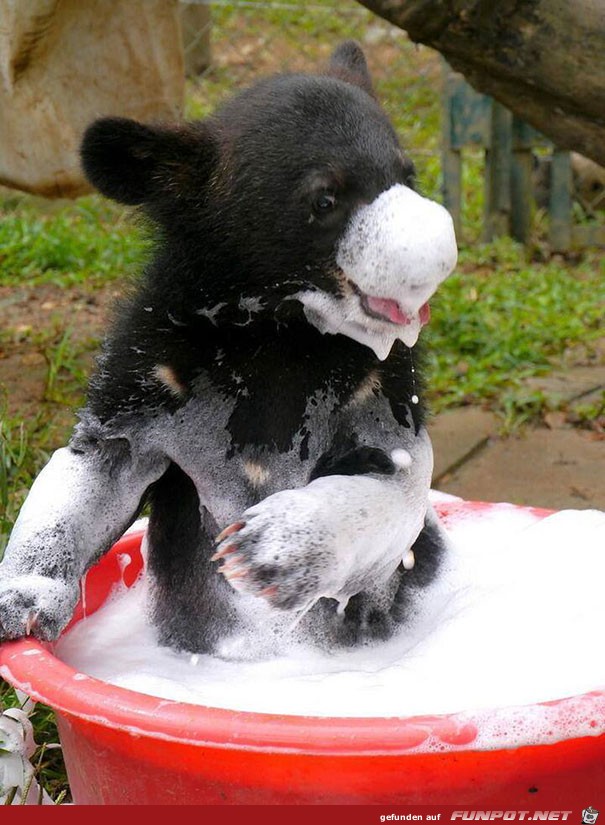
562	468
566	386
457	435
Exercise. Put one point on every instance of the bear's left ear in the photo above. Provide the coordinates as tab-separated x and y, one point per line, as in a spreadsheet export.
348	62
134	163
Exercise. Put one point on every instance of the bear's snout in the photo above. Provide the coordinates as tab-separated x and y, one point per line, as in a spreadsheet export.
393	255
399	248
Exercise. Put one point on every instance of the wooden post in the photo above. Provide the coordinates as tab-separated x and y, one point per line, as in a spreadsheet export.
451	161
498	173
561	183
522	195
452	186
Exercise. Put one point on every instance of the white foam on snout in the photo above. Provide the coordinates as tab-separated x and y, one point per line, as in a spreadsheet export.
513	620
399	247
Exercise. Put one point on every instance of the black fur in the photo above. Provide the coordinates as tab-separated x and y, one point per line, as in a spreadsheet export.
346	457
180	565
247	208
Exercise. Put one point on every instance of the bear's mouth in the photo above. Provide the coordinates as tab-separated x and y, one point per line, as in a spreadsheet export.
386	309
389	310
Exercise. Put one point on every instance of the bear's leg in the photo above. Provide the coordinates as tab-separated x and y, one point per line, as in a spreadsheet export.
190	601
428	552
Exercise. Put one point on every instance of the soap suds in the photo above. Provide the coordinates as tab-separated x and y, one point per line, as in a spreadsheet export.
515	618
399	247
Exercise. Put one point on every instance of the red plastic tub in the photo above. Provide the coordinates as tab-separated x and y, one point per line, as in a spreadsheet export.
122	747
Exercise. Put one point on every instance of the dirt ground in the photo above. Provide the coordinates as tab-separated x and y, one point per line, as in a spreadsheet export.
34	318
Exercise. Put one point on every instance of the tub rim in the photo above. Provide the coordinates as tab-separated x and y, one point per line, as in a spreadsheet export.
23	661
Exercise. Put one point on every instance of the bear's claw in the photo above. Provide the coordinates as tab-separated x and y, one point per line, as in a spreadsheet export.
35	605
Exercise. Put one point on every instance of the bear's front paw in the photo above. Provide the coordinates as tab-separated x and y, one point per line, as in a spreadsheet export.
281	550
35	605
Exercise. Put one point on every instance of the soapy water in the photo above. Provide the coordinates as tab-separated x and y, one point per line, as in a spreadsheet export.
515	617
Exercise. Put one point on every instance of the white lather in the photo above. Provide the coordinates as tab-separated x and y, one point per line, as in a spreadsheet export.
399	247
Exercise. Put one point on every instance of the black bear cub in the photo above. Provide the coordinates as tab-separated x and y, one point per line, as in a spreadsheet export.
261	383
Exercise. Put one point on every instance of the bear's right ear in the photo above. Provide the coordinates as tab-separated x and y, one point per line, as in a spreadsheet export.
132	163
348	62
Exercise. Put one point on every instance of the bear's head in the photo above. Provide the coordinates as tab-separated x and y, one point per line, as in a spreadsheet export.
294	193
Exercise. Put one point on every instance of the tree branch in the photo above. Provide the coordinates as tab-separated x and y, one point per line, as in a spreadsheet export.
543	59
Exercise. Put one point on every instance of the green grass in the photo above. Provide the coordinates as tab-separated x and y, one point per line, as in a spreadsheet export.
26	442
15	452
87	242
501	318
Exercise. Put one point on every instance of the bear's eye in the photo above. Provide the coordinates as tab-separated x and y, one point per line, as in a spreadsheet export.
324	202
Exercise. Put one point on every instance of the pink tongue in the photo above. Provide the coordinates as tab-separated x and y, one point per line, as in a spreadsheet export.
390	309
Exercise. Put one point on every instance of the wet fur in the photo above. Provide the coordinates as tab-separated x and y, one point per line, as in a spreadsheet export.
212	365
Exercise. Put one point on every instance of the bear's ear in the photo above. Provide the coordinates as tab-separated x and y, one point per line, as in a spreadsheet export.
132	163
348	62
